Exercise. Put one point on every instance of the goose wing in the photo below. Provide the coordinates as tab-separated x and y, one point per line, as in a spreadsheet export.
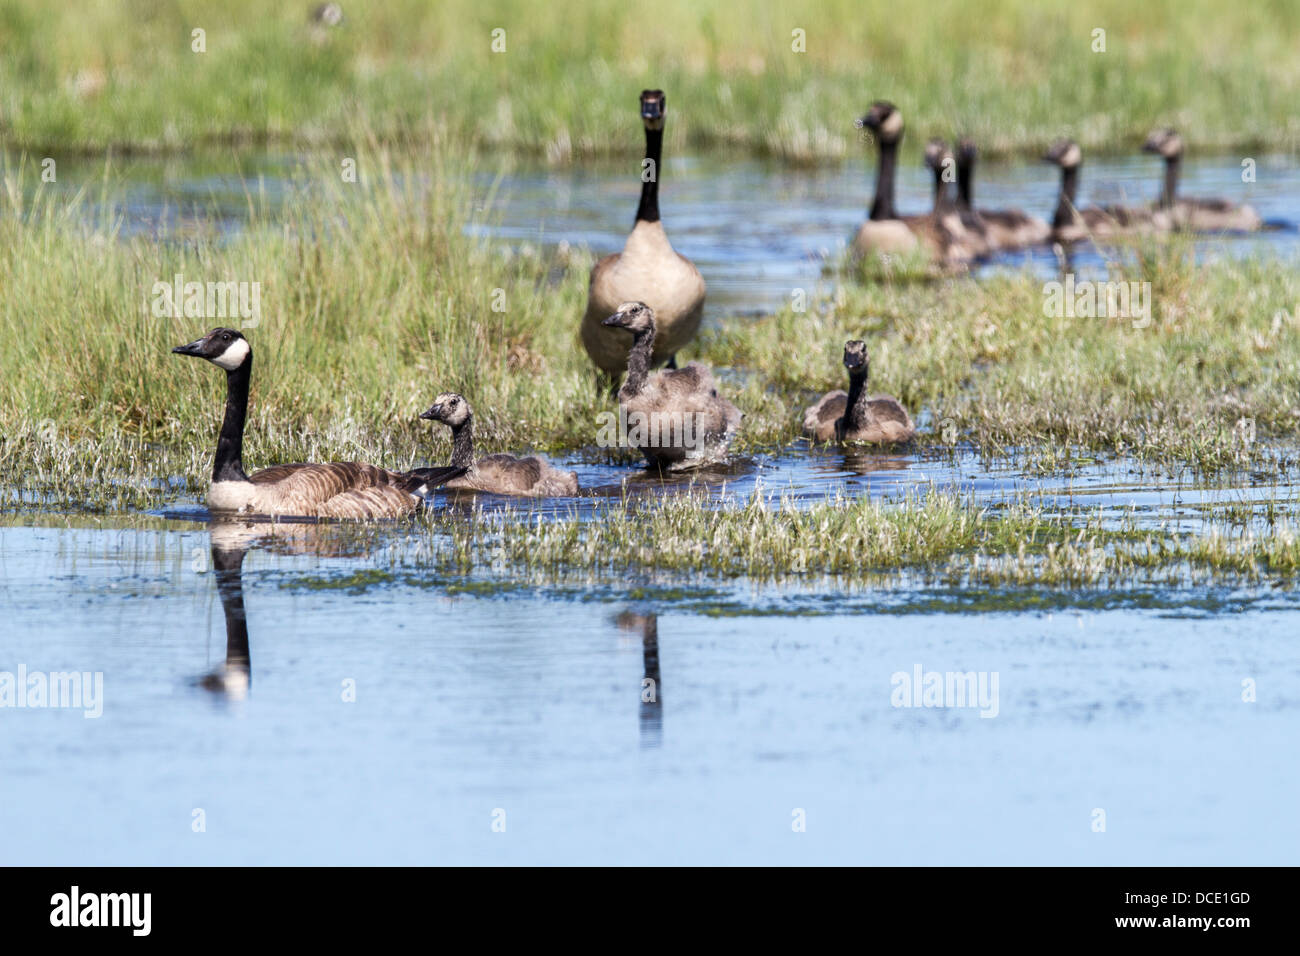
819	420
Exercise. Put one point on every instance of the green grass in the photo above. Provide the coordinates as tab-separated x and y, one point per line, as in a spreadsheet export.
1014	73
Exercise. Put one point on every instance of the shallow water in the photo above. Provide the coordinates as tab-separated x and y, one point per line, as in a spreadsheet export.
468	706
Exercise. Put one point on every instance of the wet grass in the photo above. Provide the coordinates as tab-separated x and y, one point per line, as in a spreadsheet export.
1015	73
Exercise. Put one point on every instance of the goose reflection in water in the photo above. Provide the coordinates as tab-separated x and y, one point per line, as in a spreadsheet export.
652	705
232	539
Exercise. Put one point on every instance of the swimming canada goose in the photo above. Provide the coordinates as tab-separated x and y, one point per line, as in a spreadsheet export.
647	270
885	232
498	474
1004	228
968	238
335	490
1072	224
1198	215
675	416
852	416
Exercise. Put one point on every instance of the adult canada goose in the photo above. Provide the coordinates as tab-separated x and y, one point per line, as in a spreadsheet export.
498	474
647	270
852	416
885	232
1198	215
1072	224
968	238
1004	228
675	416
346	489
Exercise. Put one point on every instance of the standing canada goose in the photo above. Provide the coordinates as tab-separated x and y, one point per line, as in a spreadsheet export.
498	474
1072	224
852	416
885	232
1198	215
647	270
1004	228
336	490
676	416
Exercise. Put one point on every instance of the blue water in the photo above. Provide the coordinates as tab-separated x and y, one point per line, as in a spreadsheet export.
467	706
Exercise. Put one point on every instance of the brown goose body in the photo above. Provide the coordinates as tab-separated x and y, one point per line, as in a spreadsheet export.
347	490
676	417
501	474
648	269
1189	213
855	416
1003	228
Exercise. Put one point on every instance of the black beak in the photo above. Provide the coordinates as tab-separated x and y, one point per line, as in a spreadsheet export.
194	348
614	320
431	413
650	110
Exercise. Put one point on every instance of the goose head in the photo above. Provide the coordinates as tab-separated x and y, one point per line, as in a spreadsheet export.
653	108
884	120
1166	142
856	359
938	156
1064	153
225	348
637	317
448	408
966	151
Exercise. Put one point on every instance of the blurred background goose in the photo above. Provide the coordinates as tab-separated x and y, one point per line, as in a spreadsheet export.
346	489
647	270
852	415
499	474
1070	223
1198	215
885	231
1003	228
686	423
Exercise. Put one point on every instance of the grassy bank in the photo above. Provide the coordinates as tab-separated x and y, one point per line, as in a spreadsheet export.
1014	73
373	299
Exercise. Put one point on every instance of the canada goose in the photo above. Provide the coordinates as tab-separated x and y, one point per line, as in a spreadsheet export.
968	238
335	490
647	270
498	474
1198	215
676	416
1004	228
885	232
852	416
1072	224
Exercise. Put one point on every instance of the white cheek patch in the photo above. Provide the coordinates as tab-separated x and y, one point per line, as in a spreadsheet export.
1073	156
234	356
894	125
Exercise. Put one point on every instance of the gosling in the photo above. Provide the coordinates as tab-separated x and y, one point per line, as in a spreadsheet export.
529	477
852	416
676	417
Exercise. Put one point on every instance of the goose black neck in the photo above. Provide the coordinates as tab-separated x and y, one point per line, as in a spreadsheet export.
1169	195
938	188
1065	206
462	444
648	211
228	564
965	195
638	364
857	389
882	207
229	464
